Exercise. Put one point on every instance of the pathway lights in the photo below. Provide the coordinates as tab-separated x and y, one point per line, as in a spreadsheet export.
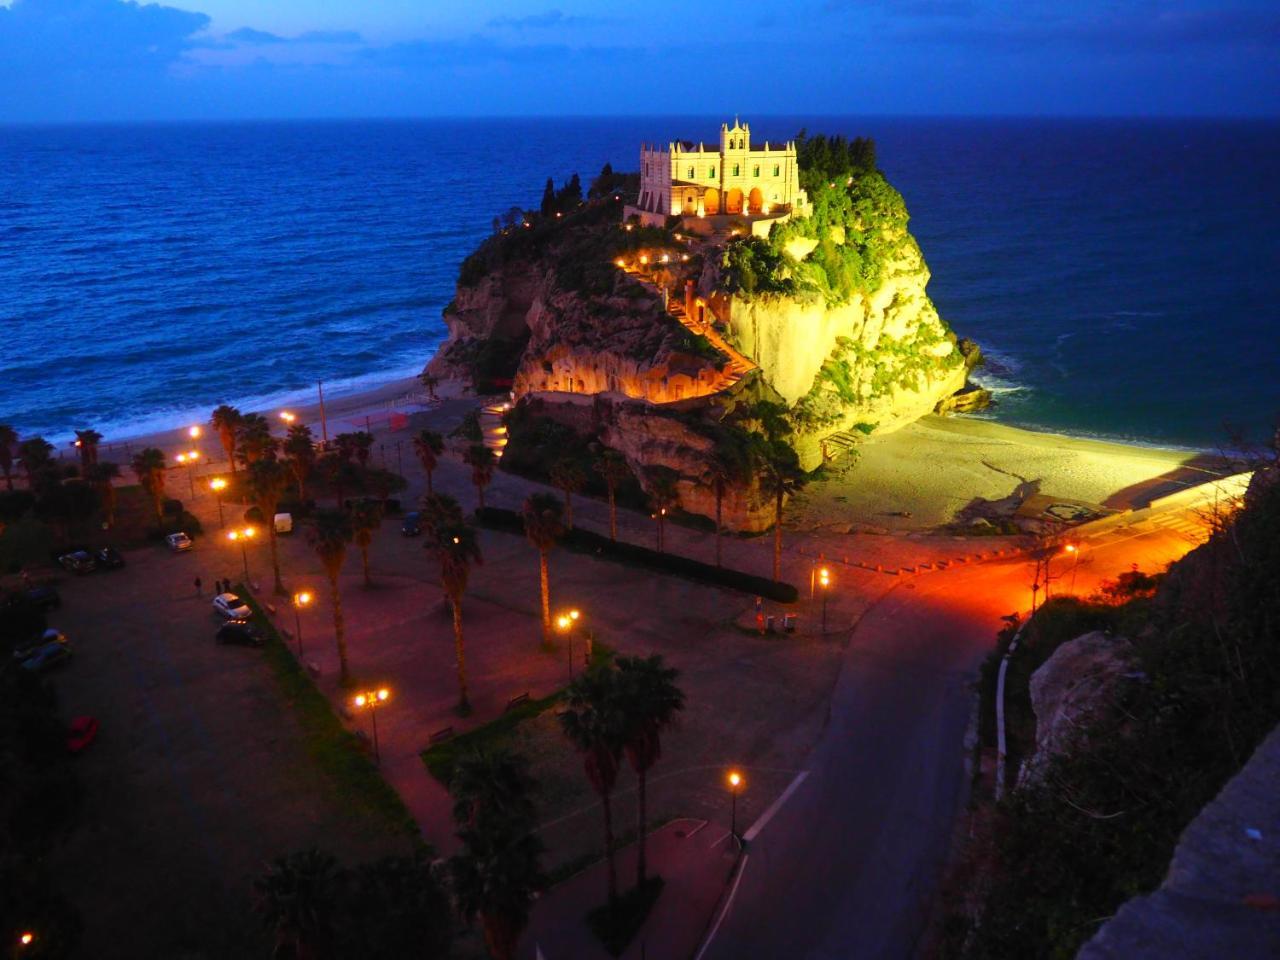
371	700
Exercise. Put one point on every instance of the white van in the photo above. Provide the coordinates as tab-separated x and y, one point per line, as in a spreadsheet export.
284	523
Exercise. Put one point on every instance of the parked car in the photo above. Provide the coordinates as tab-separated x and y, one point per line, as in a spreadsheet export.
178	542
110	558
46	657
25	649
284	522
411	526
78	561
240	633
43	597
80	733
232	607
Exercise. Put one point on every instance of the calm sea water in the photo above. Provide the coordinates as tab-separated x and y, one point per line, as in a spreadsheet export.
1124	276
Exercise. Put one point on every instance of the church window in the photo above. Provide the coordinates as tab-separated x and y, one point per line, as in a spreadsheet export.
735	170
691	173
711	171
776	170
756	171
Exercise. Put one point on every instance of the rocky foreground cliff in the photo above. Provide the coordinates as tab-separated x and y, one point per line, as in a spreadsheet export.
663	344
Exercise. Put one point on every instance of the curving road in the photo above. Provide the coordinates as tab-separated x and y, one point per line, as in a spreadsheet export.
847	866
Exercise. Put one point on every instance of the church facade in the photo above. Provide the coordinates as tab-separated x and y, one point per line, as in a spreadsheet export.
733	177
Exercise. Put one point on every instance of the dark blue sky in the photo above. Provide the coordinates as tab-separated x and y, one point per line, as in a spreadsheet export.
64	60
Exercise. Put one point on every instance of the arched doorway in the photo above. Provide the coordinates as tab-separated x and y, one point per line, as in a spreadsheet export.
733	201
711	201
755	200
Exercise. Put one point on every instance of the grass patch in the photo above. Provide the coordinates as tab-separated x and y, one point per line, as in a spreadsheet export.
336	750
441	757
615	927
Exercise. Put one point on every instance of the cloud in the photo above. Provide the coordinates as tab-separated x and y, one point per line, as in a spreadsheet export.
545	21
50	35
252	37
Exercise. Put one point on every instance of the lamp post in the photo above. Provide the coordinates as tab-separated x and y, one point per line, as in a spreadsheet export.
735	784
242	537
824	582
1074	551
371	699
565	623
188	460
217	485
300	600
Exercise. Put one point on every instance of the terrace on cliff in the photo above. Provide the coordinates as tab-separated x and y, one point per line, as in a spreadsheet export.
676	335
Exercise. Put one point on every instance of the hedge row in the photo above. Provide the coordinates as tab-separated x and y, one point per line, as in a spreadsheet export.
587	541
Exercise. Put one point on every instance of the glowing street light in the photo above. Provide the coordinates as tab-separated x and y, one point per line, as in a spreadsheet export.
372	699
824	583
26	938
300	599
288	417
194	432
242	536
217	485
1073	550
189	459
566	623
736	782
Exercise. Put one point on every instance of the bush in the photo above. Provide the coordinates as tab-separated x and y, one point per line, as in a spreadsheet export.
616	927
586	541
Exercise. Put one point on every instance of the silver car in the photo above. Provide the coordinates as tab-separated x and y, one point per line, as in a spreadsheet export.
232	607
178	542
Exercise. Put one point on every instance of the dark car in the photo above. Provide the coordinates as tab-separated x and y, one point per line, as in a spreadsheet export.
412	524
110	558
26	648
43	597
46	657
239	633
81	732
78	561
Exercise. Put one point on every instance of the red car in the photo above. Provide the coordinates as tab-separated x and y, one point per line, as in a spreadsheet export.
81	733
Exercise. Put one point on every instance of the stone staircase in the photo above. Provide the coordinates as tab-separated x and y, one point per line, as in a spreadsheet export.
495	434
838	443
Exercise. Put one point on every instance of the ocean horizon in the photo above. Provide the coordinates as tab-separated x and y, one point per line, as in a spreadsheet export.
1120	274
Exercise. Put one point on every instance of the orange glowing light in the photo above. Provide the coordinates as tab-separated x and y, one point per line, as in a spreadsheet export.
735	779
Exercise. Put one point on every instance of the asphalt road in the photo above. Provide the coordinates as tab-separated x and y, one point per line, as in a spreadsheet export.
848	865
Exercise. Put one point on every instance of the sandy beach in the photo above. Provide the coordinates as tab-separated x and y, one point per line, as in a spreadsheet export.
929	473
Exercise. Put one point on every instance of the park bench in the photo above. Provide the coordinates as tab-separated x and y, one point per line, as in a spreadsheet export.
517	701
441	735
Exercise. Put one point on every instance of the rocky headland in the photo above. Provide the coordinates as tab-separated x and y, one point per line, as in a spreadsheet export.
676	345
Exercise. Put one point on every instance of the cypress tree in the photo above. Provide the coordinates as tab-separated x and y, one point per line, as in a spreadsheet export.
549	198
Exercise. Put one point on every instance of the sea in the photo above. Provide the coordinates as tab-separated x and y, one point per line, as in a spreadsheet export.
1121	276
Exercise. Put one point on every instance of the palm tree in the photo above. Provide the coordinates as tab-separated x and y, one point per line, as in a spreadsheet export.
497	873
297	899
268	480
439	510
664	495
300	454
362	446
457	549
8	440
253	438
366	518
101	475
780	475
330	534
482	461
430	382
543	525
87	444
729	464
429	447
594	724
225	419
35	453
650	701
567	475
148	465
613	469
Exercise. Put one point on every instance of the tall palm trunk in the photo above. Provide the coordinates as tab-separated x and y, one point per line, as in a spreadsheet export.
275	558
613	516
464	704
158	502
607	802
344	673
719	510
642	832
430	491
546	597
777	537
568	510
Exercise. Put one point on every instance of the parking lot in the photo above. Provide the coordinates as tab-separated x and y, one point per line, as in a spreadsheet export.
198	776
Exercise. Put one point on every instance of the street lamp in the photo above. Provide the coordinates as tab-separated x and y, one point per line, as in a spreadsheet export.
371	699
565	623
194	433
188	460
735	784
288	417
217	485
300	600
242	537
1074	551
824	582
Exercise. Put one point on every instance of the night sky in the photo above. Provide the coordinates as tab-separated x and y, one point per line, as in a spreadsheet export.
111	60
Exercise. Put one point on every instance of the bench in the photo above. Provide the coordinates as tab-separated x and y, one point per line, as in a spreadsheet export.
441	735
517	701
